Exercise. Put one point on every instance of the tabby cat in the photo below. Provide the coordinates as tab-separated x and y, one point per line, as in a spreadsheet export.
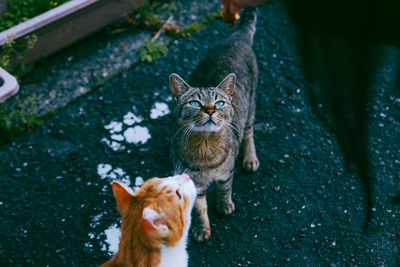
155	222
211	123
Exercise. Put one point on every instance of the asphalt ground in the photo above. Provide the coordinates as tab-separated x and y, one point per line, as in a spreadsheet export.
303	207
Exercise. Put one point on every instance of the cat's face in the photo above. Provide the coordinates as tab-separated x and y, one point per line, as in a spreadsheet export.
168	194
164	205
203	109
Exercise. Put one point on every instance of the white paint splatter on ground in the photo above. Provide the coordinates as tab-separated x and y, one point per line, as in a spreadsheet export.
113	234
103	170
113	145
96	221
139	181
133	135
137	134
120	172
117	137
114	127
159	110
106	171
130	119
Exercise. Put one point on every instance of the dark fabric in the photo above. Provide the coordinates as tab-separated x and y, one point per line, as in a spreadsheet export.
371	21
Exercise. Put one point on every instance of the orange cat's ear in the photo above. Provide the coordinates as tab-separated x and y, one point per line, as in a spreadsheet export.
154	223
123	194
228	84
178	85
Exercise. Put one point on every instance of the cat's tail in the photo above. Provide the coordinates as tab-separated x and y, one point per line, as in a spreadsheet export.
247	24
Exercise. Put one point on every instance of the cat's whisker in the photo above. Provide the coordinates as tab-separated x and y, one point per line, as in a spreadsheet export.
177	168
198	120
186	135
185	171
180	129
230	126
233	127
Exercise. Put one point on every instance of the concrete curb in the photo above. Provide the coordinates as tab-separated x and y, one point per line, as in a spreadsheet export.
67	24
9	87
43	19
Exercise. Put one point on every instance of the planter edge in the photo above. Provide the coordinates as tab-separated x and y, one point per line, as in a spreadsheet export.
44	19
10	86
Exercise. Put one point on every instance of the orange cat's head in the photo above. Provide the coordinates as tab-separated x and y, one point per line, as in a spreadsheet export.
158	213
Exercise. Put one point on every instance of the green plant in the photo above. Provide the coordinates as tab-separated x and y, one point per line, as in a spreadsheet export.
148	15
5	122
18	121
16	51
177	33
152	50
18	11
21	10
146	18
155	49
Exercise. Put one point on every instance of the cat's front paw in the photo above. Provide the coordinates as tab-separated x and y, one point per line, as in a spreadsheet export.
226	208
201	234
251	163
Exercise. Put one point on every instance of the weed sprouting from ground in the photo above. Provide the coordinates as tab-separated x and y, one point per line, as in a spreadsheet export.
146	18
152	50
13	52
13	123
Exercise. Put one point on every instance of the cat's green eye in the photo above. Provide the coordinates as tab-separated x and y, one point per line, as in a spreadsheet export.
195	104
219	104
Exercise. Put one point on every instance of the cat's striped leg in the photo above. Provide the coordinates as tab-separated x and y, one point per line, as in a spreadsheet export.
250	160
225	204
201	230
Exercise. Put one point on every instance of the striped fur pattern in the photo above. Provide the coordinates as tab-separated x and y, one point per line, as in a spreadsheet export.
214	118
155	222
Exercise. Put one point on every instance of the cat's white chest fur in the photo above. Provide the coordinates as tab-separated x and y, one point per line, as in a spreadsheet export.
174	256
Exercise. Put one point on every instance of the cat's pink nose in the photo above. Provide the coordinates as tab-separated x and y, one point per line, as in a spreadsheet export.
209	110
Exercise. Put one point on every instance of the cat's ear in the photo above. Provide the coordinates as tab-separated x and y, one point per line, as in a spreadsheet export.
123	194
154	224
228	84
178	85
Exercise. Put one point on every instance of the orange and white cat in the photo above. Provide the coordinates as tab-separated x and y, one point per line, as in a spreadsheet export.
155	222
